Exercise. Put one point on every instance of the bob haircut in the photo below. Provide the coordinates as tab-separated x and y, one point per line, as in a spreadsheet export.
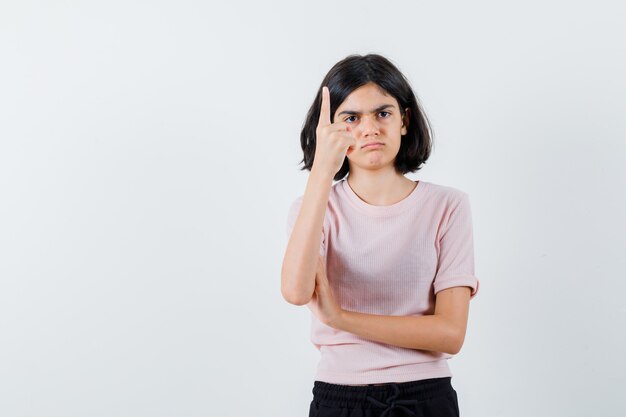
353	72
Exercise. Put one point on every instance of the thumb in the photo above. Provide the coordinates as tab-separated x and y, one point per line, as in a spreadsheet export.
351	147
349	131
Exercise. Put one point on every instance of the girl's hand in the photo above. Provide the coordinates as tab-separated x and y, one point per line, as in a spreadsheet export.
333	140
323	303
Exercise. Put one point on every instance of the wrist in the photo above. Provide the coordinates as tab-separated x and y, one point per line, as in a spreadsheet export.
321	174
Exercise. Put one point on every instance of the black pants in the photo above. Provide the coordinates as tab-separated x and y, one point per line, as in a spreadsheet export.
433	397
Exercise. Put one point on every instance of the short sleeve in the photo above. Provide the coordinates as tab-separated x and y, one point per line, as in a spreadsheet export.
456	250
292	216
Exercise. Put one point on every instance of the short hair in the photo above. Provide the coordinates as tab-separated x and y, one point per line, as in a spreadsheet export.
353	72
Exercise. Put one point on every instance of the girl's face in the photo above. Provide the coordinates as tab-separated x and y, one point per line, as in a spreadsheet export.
374	117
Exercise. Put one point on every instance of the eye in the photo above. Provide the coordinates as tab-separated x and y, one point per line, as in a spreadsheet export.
347	119
384	114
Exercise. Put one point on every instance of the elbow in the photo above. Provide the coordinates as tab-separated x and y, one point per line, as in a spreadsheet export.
452	337
456	343
295	297
454	349
293	286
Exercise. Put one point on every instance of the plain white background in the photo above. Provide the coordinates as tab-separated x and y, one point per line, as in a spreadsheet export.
149	152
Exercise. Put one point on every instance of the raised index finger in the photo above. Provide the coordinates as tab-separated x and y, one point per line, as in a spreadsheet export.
325	109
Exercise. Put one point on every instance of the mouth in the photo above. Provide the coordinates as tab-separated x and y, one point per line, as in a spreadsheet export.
372	145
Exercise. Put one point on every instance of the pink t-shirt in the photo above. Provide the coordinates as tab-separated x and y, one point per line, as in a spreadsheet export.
390	260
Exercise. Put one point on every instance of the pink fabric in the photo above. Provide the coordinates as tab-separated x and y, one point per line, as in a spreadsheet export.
390	260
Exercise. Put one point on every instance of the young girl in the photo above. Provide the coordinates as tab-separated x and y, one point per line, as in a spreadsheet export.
390	283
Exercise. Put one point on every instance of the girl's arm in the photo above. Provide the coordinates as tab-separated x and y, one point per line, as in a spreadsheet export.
443	331
302	252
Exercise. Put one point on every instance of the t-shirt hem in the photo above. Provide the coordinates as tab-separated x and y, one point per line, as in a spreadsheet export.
437	369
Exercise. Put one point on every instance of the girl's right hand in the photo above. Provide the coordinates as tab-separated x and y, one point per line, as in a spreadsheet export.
333	140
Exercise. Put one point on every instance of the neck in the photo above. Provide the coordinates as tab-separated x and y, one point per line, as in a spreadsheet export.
380	188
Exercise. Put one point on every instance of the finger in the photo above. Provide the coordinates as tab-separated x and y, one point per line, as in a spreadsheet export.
319	262
349	151
337	127
320	270
351	147
325	108
347	141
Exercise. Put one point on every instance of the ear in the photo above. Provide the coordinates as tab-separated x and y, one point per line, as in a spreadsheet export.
405	121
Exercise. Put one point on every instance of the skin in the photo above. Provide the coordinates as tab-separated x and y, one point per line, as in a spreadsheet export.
334	141
374	179
372	174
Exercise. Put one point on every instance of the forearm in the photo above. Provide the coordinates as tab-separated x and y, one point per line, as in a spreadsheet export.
302	252
429	332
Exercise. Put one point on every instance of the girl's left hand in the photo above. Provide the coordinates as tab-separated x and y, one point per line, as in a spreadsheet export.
323	303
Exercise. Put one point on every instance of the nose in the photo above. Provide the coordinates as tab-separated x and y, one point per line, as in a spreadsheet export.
369	127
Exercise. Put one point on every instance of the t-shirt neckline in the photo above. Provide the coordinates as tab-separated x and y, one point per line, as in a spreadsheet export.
395	208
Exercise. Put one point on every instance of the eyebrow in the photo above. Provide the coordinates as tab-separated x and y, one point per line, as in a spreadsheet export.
376	110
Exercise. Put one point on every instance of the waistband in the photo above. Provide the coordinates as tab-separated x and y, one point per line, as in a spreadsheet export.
390	395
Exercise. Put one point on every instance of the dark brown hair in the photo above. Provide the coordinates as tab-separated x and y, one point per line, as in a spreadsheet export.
353	72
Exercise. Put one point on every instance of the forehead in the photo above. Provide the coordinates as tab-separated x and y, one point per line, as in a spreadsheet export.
366	97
